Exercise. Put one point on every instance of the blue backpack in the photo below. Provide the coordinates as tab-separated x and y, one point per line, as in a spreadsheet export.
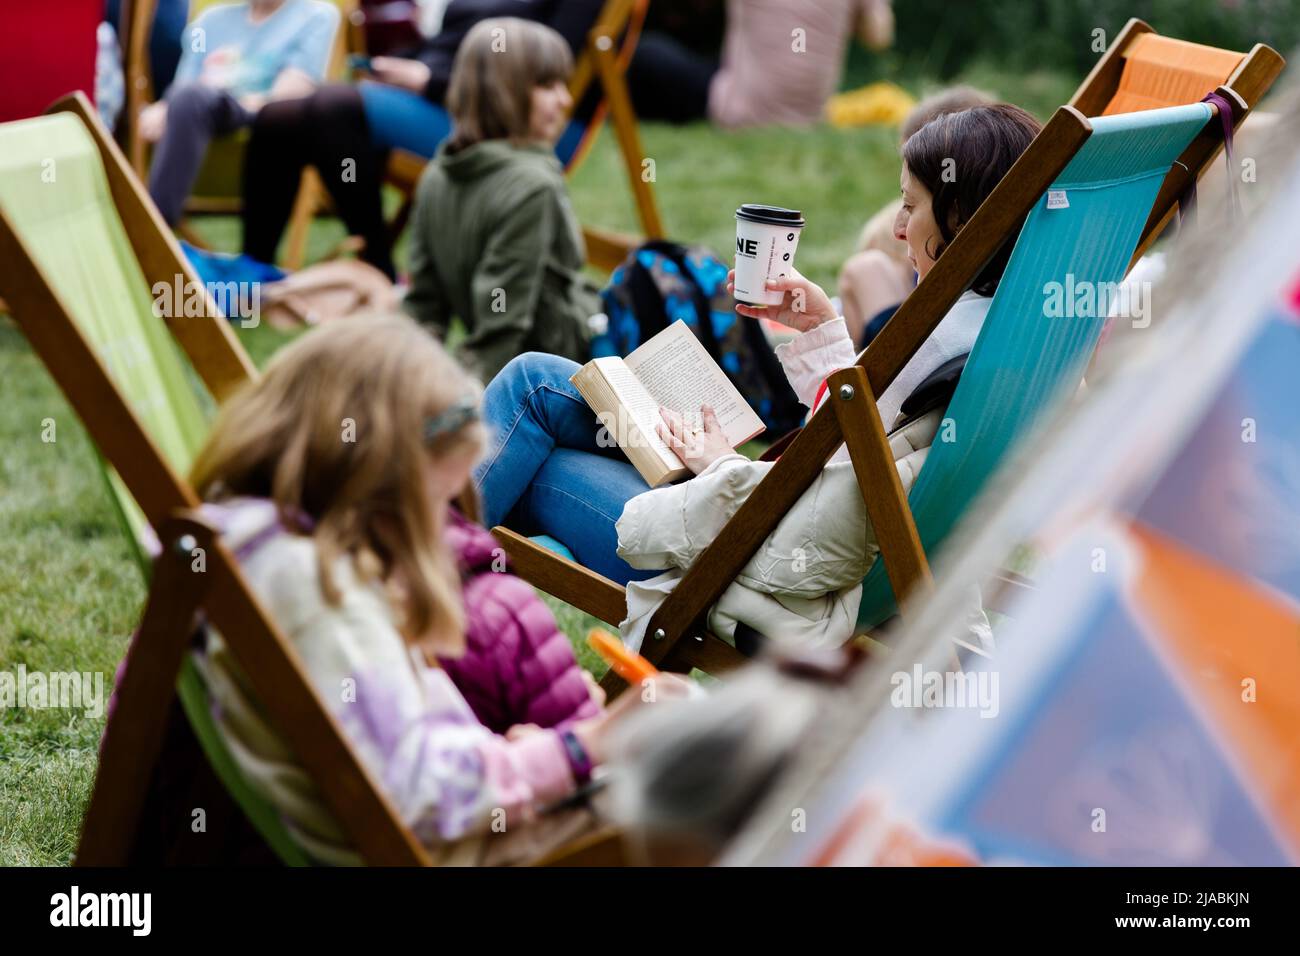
662	282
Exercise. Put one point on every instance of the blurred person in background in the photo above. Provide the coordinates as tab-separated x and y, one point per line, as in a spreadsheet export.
780	62
399	105
252	54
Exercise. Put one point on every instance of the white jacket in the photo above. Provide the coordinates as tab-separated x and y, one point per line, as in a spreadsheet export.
804	583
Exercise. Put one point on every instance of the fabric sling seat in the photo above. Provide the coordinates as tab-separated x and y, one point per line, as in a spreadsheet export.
1026	353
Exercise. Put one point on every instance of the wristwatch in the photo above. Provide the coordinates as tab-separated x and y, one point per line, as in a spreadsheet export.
579	761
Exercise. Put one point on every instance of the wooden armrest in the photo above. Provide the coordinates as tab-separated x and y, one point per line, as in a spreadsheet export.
710	654
404	169
606	250
565	579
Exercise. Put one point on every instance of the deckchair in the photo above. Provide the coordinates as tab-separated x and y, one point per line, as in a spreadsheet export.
609	49
218	189
989	410
80	258
548	565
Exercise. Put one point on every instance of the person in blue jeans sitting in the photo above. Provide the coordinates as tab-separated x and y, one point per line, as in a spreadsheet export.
551	469
237	58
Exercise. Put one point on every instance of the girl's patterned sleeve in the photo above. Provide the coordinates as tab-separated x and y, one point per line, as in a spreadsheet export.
448	775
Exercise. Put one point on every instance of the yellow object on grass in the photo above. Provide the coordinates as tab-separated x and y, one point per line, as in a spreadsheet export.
876	103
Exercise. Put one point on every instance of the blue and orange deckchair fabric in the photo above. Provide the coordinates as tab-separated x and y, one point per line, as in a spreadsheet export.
54	194
1080	236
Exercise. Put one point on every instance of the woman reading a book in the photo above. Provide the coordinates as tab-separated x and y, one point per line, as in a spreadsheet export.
550	468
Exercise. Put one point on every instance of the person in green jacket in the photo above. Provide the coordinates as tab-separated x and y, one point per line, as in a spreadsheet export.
494	240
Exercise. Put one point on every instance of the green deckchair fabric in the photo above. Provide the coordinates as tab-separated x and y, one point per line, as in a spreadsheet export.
1025	358
54	191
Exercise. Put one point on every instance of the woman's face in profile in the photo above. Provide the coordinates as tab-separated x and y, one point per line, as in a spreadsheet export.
915	223
550	111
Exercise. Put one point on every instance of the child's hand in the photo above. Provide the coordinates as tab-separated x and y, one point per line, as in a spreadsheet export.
153	121
400	72
696	447
662	688
805	306
520	731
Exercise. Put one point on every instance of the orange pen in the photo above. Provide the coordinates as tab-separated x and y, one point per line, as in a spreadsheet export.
630	666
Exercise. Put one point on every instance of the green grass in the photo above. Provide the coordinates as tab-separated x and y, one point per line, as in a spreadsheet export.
70	592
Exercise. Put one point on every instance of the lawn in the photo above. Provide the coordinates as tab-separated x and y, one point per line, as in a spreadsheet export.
70	593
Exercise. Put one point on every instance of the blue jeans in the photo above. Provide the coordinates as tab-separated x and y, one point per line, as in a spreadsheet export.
545	473
400	119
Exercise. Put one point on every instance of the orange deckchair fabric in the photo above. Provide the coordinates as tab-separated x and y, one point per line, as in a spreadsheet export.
1161	71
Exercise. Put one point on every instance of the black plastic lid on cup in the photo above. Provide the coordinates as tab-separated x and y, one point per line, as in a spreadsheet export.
770	215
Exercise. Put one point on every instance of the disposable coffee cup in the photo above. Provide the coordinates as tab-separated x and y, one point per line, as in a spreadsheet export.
766	238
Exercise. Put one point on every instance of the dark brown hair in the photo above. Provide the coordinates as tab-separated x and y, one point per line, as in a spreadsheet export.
951	99
975	148
499	64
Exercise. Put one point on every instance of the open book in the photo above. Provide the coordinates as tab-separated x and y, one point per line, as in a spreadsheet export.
672	370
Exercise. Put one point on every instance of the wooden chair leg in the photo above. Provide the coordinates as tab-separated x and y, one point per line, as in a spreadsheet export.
305	207
134	735
882	490
191	235
623	119
401	218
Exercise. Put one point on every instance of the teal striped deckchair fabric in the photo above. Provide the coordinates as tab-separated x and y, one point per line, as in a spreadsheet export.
1041	329
54	192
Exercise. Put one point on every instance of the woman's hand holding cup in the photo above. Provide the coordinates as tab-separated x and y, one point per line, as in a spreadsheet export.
804	307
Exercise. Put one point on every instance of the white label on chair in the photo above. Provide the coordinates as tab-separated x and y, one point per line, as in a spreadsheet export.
1056	199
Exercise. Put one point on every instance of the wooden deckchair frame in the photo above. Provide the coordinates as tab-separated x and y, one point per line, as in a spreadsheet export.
599	62
178	593
677	637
